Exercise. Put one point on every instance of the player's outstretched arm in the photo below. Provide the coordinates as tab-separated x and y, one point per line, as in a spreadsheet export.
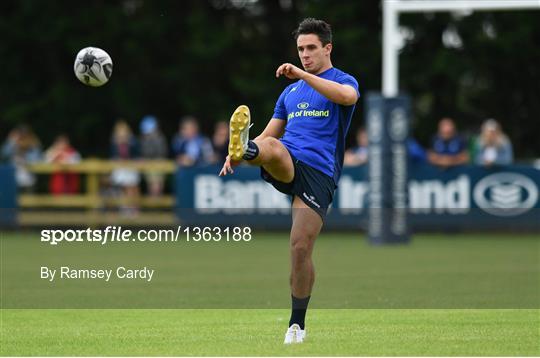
336	92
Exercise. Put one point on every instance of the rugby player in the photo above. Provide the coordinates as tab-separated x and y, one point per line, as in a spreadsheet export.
301	150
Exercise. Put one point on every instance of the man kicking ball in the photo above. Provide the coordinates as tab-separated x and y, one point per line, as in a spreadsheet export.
300	151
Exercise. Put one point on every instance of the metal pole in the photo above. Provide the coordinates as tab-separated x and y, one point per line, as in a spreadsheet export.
392	9
390	69
455	5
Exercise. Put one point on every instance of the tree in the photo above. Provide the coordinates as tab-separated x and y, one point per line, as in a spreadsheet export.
204	58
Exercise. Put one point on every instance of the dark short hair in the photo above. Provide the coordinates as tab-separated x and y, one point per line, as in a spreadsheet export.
314	26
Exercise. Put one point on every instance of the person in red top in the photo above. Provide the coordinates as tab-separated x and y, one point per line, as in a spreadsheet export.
61	151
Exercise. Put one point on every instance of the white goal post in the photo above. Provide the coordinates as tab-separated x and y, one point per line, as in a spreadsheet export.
391	36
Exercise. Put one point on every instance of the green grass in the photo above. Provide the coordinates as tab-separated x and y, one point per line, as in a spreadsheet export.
436	271
461	295
260	332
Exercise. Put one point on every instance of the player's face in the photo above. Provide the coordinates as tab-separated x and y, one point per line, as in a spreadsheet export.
314	56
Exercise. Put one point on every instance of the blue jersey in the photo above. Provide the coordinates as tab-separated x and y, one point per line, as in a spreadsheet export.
316	127
452	146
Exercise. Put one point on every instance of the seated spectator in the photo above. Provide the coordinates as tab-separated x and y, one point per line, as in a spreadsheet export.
124	147
153	146
61	151
493	147
448	147
220	141
21	148
189	147
358	154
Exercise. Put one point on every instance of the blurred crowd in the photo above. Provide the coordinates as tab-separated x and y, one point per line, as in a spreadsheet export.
189	147
448	147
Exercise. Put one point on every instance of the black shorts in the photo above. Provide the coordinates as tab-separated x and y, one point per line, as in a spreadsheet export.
315	188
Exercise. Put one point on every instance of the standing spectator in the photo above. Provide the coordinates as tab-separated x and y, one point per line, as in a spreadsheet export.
358	154
61	151
220	141
493	147
22	147
124	147
448	147
188	146
153	146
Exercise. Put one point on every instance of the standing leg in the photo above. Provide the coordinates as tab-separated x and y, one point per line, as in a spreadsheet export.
306	225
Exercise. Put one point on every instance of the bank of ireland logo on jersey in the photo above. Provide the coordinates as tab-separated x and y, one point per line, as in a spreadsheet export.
304	112
506	194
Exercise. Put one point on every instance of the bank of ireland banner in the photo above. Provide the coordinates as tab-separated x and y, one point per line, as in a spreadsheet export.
243	198
478	198
457	199
460	198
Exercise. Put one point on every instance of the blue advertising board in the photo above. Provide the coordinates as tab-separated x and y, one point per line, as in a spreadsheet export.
8	196
459	198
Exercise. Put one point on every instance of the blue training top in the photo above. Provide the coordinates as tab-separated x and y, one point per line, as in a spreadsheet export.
452	146
316	127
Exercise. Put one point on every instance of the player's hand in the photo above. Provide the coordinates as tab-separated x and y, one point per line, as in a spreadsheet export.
290	71
228	166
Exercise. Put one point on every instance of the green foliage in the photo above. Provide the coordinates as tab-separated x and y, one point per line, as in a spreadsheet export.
493	75
173	58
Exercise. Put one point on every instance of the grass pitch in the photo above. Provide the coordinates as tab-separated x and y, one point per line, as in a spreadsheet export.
464	295
233	332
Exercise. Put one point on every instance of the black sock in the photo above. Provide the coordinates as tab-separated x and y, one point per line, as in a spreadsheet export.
298	313
252	151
